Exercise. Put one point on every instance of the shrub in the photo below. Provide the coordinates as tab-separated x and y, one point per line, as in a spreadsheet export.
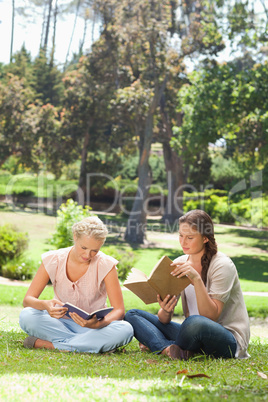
125	257
21	268
23	193
12	243
248	211
67	215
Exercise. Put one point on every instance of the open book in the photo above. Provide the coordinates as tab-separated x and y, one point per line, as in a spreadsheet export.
160	281
84	314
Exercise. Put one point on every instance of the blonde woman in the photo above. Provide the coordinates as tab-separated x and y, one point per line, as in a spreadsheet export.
84	276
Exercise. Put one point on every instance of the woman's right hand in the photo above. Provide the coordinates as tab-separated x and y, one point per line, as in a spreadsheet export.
167	308
168	304
55	311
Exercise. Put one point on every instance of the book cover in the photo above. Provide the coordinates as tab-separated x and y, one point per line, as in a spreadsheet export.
101	313
160	281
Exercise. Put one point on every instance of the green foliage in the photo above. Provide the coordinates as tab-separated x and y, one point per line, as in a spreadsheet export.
219	205
68	213
12	243
19	268
43	185
13	165
126	259
225	172
225	101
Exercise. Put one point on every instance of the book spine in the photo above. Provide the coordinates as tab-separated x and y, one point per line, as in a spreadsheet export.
156	288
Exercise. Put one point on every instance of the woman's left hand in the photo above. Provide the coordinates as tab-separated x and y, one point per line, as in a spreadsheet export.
184	268
93	323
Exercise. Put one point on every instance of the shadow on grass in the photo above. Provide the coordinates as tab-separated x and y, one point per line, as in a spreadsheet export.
252	268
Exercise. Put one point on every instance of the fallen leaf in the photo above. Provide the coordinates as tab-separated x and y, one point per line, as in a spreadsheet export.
198	375
184	371
262	375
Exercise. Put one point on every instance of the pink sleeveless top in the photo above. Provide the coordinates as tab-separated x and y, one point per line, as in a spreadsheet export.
89	292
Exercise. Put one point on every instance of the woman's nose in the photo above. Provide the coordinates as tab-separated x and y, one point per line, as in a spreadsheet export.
182	241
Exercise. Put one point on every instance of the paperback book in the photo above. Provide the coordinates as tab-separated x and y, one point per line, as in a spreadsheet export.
101	313
160	282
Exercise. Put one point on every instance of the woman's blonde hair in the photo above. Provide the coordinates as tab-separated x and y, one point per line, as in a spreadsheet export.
92	227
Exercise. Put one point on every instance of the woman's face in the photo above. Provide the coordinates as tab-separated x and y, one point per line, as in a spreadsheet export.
86	247
192	242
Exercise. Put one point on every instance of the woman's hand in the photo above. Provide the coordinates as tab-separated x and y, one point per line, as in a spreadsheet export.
184	268
92	323
168	304
167	308
53	311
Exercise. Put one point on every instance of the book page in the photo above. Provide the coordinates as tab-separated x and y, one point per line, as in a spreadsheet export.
136	276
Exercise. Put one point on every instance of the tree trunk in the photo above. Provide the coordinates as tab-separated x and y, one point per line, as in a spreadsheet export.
12	31
175	180
84	153
175	172
72	35
54	35
48	25
136	225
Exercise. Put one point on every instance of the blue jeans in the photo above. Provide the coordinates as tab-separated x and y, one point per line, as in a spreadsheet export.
197	333
65	334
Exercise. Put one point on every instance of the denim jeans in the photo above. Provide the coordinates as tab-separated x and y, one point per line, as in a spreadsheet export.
197	333
65	334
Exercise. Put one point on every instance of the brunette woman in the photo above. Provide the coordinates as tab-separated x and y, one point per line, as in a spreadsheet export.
216	321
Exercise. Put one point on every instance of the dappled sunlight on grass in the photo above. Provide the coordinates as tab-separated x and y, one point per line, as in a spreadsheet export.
129	375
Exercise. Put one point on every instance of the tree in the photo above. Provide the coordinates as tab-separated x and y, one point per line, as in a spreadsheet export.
233	98
141	28
47	80
144	30
12	31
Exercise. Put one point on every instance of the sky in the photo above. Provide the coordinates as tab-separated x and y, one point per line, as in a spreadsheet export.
29	33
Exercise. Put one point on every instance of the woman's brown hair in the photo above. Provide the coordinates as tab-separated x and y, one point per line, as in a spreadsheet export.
199	220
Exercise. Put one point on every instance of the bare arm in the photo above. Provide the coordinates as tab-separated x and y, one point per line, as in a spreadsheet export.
207	307
116	300
31	298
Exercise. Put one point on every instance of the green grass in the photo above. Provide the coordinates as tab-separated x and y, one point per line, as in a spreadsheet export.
13	296
39	228
127	375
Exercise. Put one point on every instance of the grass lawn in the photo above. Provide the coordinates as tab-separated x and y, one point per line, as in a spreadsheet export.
127	375
39	228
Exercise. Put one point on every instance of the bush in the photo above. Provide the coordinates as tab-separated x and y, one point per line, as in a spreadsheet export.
20	268
67	215
125	257
12	244
248	211
23	193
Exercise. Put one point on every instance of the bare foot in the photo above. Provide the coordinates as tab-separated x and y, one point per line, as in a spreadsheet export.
175	352
143	348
